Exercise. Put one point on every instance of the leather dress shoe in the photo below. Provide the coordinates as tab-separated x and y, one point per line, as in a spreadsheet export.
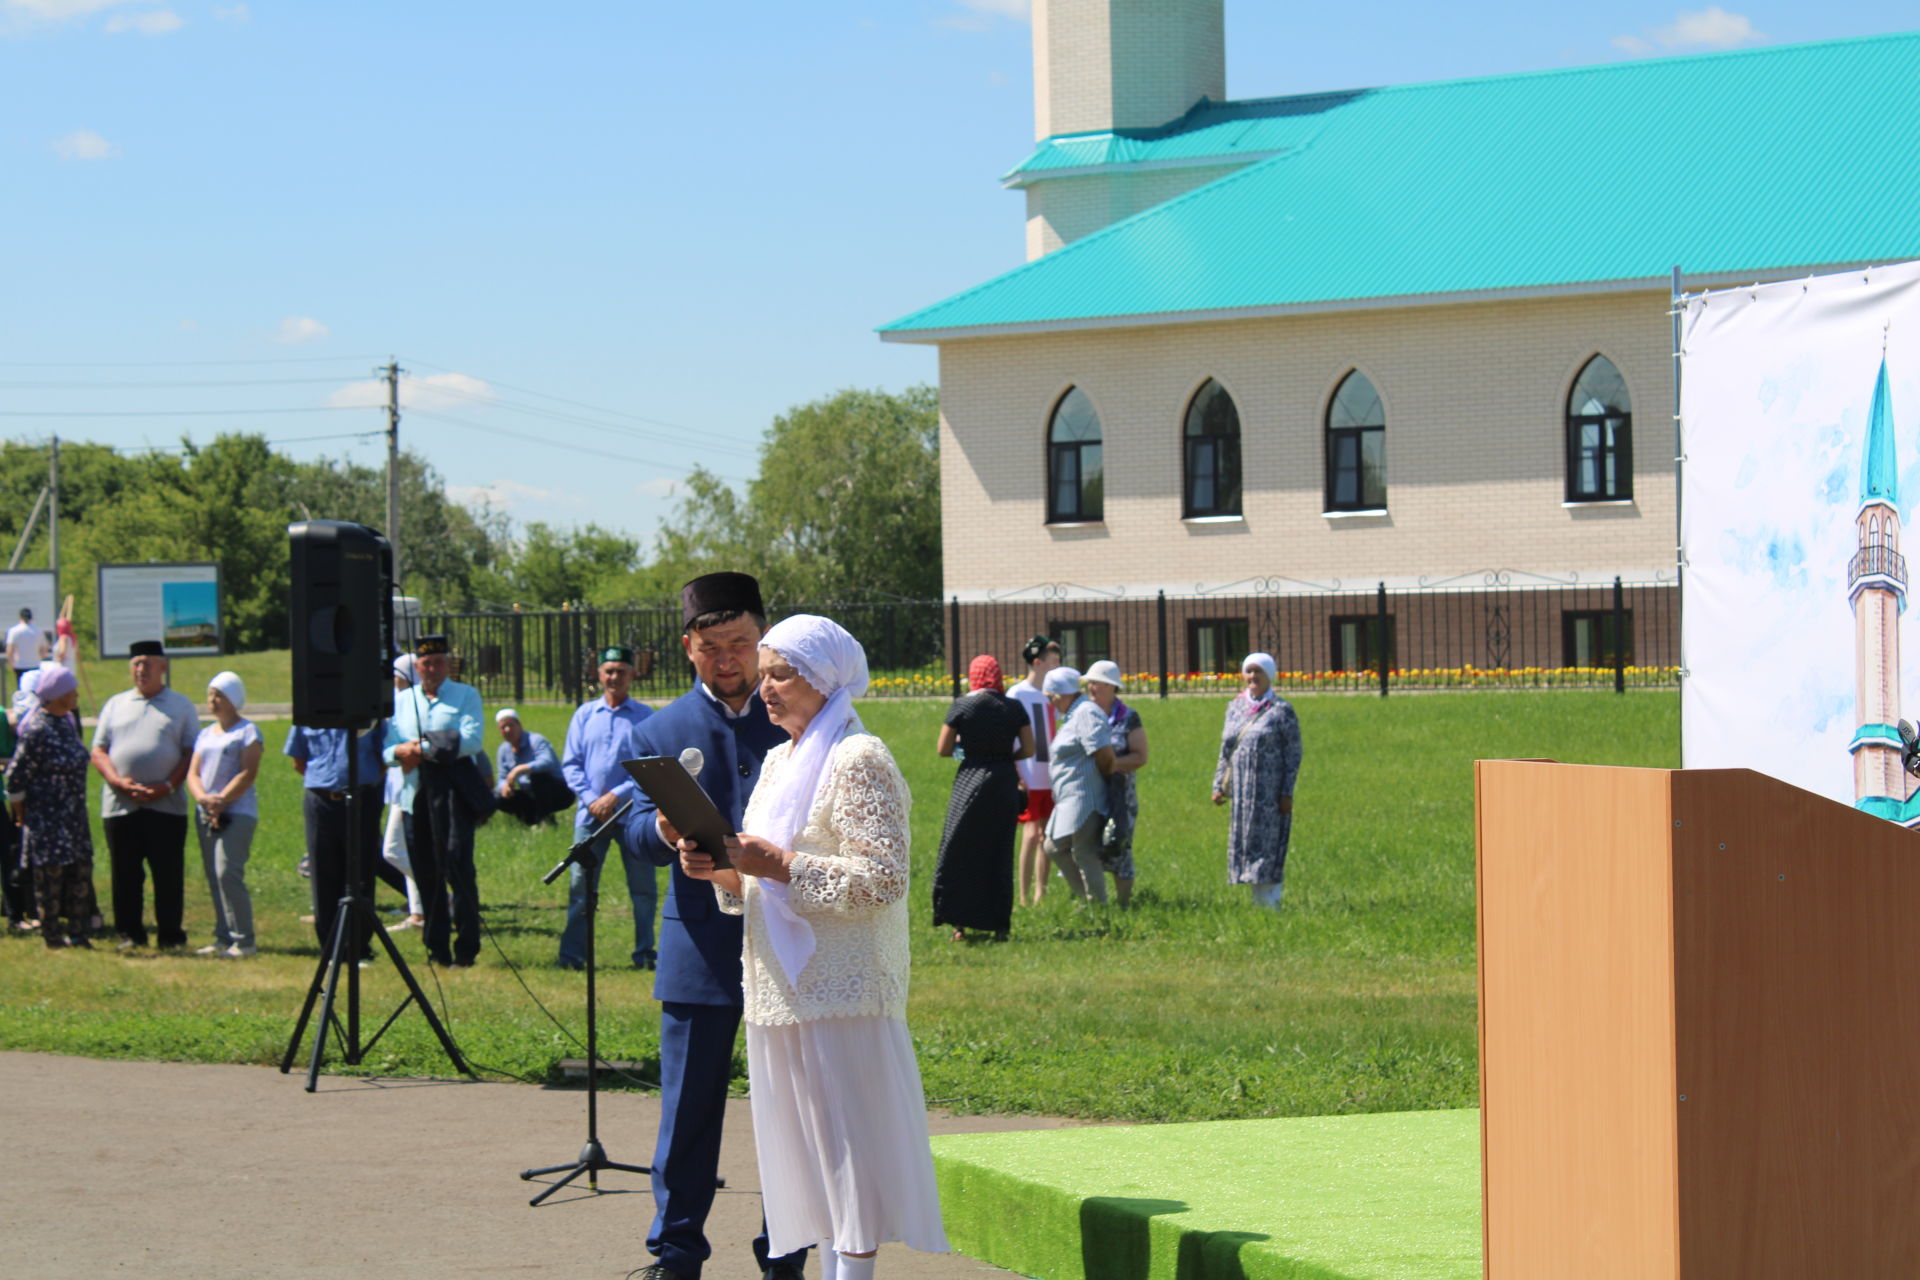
658	1271
783	1271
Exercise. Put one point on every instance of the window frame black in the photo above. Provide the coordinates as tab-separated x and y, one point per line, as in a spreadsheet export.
1621	451
1059	450
1332	436
1221	446
1227	654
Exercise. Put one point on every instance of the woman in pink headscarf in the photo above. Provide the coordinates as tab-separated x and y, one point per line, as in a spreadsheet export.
973	880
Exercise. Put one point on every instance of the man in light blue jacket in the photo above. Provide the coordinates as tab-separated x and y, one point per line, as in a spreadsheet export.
437	726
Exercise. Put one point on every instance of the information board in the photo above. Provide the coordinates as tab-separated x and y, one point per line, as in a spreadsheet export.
27	590
176	604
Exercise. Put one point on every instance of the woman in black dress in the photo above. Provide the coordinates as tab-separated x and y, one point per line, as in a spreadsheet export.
973	881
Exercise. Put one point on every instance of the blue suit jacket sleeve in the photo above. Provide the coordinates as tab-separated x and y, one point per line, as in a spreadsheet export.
643	836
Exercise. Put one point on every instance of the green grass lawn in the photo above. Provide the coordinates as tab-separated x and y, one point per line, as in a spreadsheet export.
1358	996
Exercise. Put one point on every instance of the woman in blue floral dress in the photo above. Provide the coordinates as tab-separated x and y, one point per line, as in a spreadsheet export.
47	793
1259	761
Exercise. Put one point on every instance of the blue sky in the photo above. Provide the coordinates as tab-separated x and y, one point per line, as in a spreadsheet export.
688	217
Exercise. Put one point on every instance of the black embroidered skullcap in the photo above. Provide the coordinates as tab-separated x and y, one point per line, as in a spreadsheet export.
146	649
617	653
427	646
720	593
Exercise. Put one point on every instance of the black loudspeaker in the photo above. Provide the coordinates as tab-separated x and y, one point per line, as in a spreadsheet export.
342	625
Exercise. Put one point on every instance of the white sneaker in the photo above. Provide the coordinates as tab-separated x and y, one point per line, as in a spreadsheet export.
211	949
238	952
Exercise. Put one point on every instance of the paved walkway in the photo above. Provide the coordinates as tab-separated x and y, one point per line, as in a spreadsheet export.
162	1170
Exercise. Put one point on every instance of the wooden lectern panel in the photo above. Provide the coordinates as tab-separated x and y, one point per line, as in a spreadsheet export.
1797	941
1576	1022
1699	1028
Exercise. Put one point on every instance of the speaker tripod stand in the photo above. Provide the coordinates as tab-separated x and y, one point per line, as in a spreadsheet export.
354	922
593	1156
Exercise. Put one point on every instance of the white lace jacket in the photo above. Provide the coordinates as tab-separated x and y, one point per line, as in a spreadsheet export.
848	881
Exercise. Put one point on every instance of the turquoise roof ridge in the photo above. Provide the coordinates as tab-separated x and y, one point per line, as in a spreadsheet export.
1880	470
1608	175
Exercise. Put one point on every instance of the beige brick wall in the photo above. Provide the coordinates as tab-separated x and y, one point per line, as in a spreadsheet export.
1062	210
1121	64
1475	396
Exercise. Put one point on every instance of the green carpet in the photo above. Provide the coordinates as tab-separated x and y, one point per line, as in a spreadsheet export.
1368	1197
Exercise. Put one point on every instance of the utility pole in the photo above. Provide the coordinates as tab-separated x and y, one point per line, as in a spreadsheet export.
53	515
393	464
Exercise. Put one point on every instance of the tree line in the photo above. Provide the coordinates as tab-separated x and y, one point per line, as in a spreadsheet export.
844	505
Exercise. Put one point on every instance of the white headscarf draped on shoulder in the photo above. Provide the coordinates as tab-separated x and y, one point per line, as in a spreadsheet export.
827	657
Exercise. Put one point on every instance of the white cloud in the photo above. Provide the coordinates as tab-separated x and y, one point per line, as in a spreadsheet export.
294	330
438	391
1711	28
84	144
503	495
659	487
235	13
982	15
148	22
56	10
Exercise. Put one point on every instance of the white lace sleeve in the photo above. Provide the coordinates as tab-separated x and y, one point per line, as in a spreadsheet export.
866	813
731	904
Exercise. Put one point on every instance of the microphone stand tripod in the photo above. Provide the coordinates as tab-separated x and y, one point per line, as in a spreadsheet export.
593	1156
353	922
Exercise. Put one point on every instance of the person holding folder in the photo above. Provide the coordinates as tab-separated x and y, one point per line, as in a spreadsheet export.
698	979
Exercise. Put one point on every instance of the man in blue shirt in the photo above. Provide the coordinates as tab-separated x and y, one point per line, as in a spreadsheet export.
336	850
600	736
698	985
531	788
437	729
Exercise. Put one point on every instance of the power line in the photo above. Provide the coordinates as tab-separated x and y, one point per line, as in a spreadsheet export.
175	364
176	448
571	419
176	413
548	442
151	386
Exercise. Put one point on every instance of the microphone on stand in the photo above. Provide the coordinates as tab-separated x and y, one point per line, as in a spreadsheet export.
693	760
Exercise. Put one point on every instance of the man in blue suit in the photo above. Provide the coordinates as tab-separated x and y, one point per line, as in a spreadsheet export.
698	980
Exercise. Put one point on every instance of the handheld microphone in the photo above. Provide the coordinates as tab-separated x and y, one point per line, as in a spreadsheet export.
693	760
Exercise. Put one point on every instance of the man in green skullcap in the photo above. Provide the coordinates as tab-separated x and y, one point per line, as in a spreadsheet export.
599	738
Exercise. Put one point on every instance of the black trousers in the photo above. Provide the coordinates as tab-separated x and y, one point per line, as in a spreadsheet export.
16	882
544	795
336	851
440	843
139	842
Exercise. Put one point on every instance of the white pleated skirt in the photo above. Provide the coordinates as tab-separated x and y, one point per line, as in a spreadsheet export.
840	1122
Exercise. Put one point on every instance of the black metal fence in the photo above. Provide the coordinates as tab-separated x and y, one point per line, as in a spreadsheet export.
1611	635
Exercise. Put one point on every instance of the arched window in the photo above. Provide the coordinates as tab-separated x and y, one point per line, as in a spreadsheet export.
1873	531
1075	483
1212	453
1599	435
1356	447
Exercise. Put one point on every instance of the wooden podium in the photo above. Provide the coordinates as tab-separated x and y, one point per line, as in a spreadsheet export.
1699	1028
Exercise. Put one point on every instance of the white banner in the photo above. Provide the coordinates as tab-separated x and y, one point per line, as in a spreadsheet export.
1794	635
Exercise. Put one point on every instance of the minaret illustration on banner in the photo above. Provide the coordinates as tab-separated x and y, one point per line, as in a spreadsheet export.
1877	589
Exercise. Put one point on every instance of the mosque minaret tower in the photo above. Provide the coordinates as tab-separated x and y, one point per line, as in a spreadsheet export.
1877	589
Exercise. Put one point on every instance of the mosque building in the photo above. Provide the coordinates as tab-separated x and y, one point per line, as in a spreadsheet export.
1404	334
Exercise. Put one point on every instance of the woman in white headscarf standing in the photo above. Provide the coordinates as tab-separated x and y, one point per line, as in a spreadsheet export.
820	872
393	841
1259	761
226	760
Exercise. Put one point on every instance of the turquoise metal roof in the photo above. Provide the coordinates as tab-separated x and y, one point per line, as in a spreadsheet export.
1760	160
1880	472
1229	132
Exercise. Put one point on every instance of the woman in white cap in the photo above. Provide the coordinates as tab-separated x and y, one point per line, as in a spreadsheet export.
226	760
47	796
1128	738
1082	761
1259	760
820	872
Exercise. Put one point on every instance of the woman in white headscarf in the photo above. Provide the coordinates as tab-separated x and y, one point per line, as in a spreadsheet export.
47	795
1259	761
226	760
821	873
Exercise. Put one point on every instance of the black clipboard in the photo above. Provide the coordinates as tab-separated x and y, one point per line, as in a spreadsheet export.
675	793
